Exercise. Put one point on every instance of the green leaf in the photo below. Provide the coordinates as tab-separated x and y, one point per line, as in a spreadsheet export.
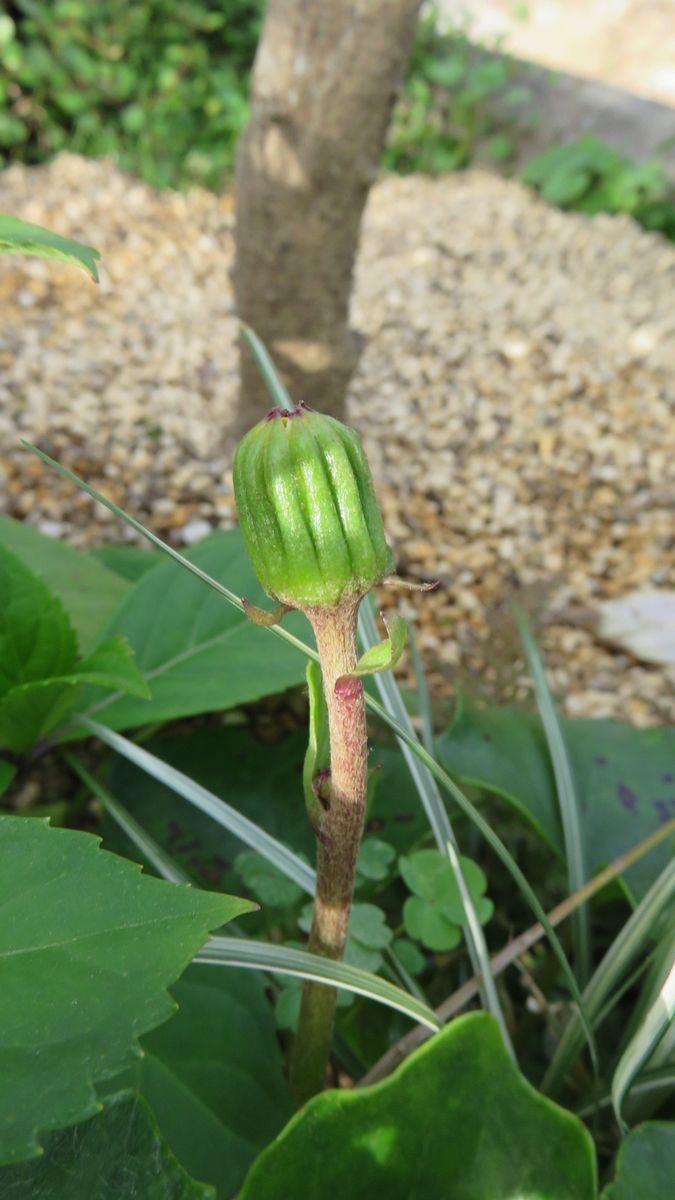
118	1155
317	757
645	1166
266	881
409	955
129	562
37	640
446	72
456	1120
500	147
112	665
7	773
375	859
435	913
624	776
566	185
385	654
18	237
213	1075
197	653
32	710
86	588
88	946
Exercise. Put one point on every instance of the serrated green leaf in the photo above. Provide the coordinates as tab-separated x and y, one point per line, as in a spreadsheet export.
37	640
19	237
32	710
117	1155
213	1075
112	665
86	588
88	946
457	1120
197	653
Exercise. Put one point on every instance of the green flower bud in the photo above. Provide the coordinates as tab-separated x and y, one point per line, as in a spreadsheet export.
307	509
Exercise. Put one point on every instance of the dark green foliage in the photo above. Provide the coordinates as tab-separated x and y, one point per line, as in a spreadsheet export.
160	85
41	671
85	1163
445	113
213	1075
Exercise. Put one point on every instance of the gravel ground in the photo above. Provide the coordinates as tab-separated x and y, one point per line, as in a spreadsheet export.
515	397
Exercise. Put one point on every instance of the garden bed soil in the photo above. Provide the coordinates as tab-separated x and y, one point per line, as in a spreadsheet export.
515	397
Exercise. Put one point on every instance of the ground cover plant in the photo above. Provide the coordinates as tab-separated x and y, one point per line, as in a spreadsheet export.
131	685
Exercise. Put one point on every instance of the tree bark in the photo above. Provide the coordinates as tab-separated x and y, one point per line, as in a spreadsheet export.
325	79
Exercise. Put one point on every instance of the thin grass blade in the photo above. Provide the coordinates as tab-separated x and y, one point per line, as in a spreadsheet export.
247	831
435	810
636	933
641	1046
566	788
287	961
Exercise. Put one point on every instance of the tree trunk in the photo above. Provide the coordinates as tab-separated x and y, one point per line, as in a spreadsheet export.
325	79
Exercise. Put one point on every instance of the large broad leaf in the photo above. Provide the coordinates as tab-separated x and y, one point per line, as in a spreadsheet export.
213	1075
199	654
625	780
37	640
88	946
88	590
118	1155
645	1167
18	237
31	710
457	1120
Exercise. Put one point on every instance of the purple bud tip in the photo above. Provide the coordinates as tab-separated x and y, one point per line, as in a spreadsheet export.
286	414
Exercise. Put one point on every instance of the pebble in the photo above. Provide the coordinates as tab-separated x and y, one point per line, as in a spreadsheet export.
515	397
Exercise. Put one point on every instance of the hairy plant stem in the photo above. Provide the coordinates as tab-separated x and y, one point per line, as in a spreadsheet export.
338	837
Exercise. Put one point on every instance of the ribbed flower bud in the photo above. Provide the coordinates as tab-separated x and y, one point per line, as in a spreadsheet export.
307	509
